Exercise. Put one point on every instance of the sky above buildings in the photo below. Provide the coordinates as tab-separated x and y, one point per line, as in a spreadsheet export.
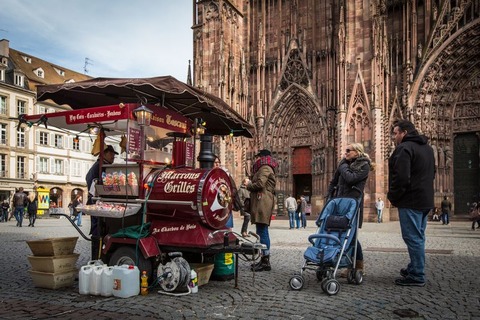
120	38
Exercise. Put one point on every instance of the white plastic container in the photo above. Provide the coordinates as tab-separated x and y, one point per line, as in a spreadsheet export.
126	281
94	263
84	279
107	282
96	280
193	281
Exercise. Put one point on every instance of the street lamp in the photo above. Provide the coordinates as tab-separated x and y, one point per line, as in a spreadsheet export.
143	115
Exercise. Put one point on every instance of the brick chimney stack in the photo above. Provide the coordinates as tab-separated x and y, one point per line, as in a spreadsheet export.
4	48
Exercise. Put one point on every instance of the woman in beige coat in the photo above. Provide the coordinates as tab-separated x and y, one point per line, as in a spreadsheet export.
262	201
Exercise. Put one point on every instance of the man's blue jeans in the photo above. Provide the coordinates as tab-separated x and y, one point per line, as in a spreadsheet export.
297	219
379	215
19	211
413	224
262	231
304	220
291	218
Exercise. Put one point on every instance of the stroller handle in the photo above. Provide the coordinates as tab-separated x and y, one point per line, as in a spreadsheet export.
313	237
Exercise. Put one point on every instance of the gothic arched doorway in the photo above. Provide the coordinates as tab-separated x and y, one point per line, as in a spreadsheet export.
466	171
302	172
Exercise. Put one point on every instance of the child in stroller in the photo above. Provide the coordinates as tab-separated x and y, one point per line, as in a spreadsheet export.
334	246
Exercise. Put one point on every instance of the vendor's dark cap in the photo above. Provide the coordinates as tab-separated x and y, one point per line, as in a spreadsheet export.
110	149
263	153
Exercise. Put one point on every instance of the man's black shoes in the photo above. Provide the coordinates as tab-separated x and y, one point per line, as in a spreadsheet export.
409	282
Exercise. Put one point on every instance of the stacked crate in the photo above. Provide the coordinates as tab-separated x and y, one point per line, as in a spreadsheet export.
53	262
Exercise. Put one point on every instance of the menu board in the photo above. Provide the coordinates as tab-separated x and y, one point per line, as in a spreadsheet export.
134	141
280	203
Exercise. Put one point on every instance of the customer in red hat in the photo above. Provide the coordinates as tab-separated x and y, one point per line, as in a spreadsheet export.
262	201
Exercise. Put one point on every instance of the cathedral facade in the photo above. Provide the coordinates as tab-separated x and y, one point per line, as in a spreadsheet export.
314	76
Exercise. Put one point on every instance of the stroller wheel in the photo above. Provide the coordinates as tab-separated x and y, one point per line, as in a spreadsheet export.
351	276
331	286
358	277
296	282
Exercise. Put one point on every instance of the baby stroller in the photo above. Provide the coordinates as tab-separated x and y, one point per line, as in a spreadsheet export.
334	246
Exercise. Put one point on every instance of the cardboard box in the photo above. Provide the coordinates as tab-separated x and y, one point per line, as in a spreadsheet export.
53	246
55	280
203	270
53	264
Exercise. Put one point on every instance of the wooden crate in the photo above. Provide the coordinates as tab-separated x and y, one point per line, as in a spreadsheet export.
203	270
53	264
53	246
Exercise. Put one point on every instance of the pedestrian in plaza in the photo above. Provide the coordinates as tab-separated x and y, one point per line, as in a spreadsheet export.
303	211
446	206
76	211
475	215
244	195
298	214
291	205
262	197
350	177
410	182
379	205
435	215
19	203
32	209
5	208
94	175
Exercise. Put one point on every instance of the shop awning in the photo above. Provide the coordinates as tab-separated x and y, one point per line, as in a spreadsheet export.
163	91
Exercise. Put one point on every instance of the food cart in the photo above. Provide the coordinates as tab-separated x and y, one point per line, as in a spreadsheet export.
170	206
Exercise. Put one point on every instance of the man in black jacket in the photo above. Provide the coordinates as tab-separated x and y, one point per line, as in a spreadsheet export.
410	181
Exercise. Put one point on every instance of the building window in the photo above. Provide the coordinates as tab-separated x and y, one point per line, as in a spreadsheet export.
21	174
27	59
3	105
75	168
59	71
21	107
2	74
58	167
19	80
3	134
40	73
42	165
21	138
3	165
58	141
43	138
76	144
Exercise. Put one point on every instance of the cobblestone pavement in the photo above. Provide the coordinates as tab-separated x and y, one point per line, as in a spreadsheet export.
453	259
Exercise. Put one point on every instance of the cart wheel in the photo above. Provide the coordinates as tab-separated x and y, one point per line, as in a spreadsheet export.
127	255
351	276
332	287
358	277
297	281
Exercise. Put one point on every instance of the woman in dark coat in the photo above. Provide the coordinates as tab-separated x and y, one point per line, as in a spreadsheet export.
352	172
32	211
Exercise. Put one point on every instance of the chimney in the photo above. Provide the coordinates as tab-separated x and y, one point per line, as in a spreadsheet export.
4	48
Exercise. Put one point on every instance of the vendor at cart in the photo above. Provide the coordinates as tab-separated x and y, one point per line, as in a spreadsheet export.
94	175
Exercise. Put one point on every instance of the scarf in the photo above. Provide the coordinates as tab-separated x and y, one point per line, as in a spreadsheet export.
359	162
265	160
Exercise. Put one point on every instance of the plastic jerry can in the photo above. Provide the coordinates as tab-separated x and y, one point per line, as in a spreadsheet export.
126	281
96	280
107	282
84	279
